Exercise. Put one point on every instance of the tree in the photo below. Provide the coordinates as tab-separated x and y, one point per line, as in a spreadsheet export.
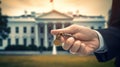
4	30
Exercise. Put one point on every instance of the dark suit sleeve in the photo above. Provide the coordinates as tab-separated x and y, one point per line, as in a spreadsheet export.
111	35
111	38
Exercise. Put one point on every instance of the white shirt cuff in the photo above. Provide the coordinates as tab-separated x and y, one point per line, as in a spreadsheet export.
102	48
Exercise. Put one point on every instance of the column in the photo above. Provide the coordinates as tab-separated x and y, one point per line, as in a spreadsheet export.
63	25
37	38
45	35
21	35
21	40
54	50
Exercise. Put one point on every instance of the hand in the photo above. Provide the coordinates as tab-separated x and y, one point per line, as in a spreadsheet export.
84	40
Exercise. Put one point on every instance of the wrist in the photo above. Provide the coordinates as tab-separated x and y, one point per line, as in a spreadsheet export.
101	47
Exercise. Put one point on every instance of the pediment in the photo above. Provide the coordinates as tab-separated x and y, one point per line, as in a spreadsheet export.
54	15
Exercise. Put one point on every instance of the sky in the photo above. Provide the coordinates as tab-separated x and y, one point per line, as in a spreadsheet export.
85	7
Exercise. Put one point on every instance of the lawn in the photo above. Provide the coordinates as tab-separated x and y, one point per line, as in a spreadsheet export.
52	61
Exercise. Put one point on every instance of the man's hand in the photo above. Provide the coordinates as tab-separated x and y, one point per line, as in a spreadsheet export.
84	40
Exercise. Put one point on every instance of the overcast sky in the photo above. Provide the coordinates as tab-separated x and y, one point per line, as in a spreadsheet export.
86	7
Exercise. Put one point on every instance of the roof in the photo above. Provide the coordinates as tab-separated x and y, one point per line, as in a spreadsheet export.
21	19
89	18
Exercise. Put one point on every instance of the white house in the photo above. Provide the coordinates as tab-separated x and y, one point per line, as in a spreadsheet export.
35	29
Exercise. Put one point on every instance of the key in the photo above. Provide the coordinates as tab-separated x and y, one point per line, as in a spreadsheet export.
57	41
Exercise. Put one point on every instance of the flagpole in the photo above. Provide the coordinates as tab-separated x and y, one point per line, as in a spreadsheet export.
52	4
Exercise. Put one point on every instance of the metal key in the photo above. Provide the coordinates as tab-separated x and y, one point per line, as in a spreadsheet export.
57	41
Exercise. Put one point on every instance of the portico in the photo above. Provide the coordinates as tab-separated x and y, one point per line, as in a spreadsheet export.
49	21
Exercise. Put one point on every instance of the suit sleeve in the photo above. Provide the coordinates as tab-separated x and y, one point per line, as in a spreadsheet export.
111	35
111	38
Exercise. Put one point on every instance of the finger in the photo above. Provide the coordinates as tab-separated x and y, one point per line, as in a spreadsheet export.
88	50
85	50
81	51
69	42
75	47
70	29
63	39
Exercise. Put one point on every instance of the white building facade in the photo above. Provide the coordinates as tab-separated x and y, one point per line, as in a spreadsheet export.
36	30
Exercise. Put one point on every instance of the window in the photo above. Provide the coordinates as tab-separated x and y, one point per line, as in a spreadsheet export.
42	42
32	29
25	41
100	27
17	41
9	41
67	24
32	41
9	29
17	29
58	25
92	27
49	44
1	42
50	27
25	30
42	29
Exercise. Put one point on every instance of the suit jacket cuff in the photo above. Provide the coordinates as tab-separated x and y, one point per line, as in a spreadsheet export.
102	48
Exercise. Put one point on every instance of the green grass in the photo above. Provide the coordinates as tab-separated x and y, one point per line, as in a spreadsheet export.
52	61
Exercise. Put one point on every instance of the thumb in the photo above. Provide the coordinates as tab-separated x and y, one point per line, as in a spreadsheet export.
57	31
